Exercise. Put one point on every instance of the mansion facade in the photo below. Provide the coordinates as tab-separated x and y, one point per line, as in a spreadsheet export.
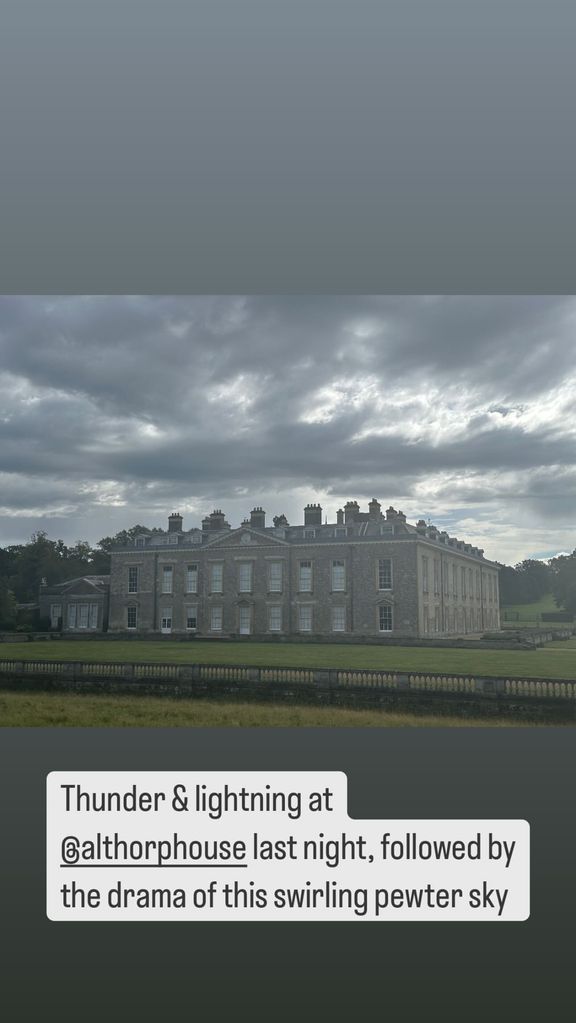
369	574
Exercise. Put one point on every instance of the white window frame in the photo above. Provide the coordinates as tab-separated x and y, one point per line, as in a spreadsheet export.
55	615
305	618
93	616
216	618
71	616
339	618
339	576
275	618
167	578
135	610
305	577
275	576
191	614
133	580
217	577
166	619
382	573
385	608
245	576
425	578
192	578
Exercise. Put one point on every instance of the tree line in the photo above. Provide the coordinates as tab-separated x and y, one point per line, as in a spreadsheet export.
24	566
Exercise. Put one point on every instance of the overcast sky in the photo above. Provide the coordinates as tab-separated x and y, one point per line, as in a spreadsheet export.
117	410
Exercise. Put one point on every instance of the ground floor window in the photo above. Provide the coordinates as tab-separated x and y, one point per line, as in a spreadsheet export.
385	618
55	615
131	617
216	619
71	616
305	619
275	618
192	617
166	619
338	619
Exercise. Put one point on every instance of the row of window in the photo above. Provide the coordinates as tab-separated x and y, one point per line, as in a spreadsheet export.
80	616
275	577
305	618
469	581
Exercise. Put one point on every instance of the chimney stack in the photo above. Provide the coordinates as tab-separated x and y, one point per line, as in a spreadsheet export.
175	523
374	510
351	509
258	518
340	517
313	515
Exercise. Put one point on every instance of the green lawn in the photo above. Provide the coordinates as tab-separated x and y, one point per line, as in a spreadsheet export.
531	612
555	660
50	710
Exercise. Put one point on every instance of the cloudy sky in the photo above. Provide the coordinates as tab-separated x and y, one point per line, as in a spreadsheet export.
117	410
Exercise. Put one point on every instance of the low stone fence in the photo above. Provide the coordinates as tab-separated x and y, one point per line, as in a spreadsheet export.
420	692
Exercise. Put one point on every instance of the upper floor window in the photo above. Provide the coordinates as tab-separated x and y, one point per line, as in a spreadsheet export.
216	577
192	579
463	582
133	579
384	573
140	541
454	581
245	577
424	575
305	577
341	531
275	577
309	534
338	575
436	577
167	576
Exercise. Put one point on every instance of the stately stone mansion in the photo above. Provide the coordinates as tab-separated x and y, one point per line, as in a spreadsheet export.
368	574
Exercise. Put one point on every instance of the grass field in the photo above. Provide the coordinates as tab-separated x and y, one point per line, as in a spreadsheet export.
51	710
529	614
555	660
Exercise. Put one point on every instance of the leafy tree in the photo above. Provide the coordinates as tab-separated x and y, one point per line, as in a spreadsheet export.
564	581
7	606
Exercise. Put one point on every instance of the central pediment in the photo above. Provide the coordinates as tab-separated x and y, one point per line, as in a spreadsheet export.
246	538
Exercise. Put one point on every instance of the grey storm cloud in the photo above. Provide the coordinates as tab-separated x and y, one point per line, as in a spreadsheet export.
112	406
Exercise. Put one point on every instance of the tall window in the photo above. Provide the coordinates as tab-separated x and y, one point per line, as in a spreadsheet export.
463	582
424	575
216	576
167	573
446	580
166	618
338	619
93	621
477	584
131	617
216	619
436	577
470	584
192	579
305	619
385	574
437	619
338	576
275	618
133	579
305	581
385	618
454	581
71	616
245	577
192	617
82	620
275	577
55	615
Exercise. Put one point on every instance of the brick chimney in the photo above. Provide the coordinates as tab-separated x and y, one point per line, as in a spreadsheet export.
175	523
374	509
258	518
351	509
313	515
